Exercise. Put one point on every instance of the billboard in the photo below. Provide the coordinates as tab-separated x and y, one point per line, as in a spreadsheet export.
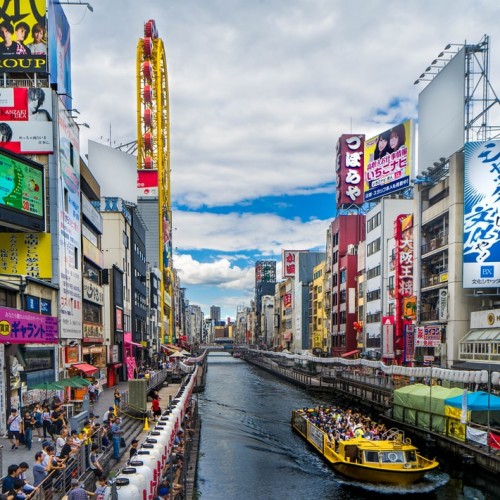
22	199
59	51
441	113
69	220
481	248
290	261
388	158
29	254
147	183
22	327
349	169
23	35
26	120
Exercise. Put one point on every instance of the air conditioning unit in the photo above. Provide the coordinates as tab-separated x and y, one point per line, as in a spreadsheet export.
352	250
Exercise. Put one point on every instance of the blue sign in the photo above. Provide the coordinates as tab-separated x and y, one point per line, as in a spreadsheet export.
481	248
46	306
32	304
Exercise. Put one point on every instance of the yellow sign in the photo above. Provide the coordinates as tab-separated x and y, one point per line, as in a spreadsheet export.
452	412
26	253
455	429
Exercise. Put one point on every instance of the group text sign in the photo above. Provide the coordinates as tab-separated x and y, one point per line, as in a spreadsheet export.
23	36
481	249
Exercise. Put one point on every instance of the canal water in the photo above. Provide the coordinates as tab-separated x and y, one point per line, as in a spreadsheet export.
247	450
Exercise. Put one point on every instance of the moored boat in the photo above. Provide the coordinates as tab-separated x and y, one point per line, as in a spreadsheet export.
392	459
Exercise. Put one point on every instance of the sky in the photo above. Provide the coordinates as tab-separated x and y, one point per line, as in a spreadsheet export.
259	92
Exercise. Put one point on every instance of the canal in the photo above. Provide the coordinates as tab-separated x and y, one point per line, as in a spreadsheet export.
247	450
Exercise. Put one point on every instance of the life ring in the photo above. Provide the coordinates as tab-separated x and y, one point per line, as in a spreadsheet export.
407	466
393	457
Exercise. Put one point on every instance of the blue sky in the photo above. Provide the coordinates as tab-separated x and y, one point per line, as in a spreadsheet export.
259	93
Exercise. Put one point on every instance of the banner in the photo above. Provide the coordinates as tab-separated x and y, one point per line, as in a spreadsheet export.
22	327
456	413
494	441
477	436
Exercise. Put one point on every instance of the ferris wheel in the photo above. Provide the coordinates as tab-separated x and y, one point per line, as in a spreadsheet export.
153	142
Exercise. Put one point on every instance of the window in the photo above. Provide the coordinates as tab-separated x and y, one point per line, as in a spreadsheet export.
373	222
7	298
373	272
374	295
343	276
373	247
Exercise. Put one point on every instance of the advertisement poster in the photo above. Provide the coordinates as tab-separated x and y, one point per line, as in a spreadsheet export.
147	183
21	186
23	36
388	161
70	279
60	51
22	327
481	249
26	253
26	120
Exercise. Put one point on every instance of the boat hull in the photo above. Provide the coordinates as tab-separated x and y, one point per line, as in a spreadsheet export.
371	475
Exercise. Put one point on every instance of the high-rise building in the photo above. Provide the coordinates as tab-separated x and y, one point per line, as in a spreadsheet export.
215	313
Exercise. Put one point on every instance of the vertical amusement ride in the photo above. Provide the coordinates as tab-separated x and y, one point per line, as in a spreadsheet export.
153	156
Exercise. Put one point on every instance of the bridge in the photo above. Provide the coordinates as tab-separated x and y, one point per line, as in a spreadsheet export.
223	345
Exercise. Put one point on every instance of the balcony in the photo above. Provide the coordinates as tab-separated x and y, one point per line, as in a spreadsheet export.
435	243
429	316
434	279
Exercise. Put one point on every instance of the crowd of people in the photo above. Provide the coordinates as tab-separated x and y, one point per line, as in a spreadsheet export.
59	444
341	424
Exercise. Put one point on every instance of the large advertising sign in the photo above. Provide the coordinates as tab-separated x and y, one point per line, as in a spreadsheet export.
23	35
22	327
428	336
26	120
349	169
388	161
481	250
60	51
147	183
290	260
70	280
388	337
22	199
28	254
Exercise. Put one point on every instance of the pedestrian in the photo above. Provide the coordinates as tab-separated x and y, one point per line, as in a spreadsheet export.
116	432
94	461
28	426
118	397
155	407
102	487
134	448
27	487
77	492
46	421
92	396
8	480
39	470
14	425
37	414
105	417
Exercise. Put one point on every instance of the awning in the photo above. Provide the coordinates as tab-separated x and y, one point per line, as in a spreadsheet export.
350	353
482	335
85	368
135	344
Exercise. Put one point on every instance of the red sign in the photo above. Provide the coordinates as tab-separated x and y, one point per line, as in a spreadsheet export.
287	300
118	319
349	169
147	183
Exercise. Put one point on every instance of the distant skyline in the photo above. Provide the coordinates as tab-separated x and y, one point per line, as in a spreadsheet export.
259	94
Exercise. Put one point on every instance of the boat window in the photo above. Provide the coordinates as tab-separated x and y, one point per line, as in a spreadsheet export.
412	456
371	456
393	457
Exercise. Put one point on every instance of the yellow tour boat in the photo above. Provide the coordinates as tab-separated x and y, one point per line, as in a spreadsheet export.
390	460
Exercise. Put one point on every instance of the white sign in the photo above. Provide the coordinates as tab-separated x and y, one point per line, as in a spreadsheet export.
485	319
443	304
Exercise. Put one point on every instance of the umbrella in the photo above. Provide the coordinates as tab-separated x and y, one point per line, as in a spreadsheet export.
74	382
47	386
